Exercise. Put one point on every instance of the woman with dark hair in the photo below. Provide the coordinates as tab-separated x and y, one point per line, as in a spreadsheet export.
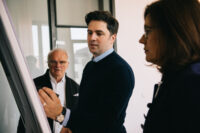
172	43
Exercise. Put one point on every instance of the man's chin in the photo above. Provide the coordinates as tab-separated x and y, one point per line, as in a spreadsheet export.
58	74
93	52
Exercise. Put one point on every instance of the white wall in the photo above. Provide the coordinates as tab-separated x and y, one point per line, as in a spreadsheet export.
130	16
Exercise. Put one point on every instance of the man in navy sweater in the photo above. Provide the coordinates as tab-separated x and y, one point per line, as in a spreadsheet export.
106	86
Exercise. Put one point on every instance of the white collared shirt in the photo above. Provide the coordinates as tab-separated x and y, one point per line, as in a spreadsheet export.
59	88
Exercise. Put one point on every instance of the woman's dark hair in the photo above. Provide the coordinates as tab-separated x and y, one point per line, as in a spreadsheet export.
112	23
178	24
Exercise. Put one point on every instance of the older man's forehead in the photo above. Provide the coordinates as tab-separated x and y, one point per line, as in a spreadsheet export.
59	55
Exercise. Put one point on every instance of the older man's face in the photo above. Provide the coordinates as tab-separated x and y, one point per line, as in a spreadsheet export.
58	64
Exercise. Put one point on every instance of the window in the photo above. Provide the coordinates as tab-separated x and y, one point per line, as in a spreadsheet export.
30	19
74	40
71	31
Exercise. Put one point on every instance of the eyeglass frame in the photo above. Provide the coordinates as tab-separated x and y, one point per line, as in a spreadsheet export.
53	62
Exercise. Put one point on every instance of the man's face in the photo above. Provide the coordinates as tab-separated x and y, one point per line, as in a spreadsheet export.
99	38
58	64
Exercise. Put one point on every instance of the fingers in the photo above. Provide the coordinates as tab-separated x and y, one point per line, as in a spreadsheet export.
51	93
44	97
51	103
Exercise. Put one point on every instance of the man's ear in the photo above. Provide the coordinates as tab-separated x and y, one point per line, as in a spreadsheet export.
67	64
113	37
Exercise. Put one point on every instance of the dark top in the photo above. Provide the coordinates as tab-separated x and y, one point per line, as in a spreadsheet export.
176	109
105	90
71	101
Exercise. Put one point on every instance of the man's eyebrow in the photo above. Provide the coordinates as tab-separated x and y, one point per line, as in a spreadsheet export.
95	31
98	31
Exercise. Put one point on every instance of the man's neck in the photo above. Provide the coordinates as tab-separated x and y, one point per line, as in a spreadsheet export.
103	55
56	79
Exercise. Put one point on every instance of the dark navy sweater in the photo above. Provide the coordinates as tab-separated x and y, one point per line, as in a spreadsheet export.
105	91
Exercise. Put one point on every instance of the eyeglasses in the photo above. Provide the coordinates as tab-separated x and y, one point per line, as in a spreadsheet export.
53	62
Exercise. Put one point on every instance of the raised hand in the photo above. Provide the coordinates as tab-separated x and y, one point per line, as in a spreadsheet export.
51	102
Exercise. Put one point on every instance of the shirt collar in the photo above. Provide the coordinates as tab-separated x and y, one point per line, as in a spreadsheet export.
102	56
54	80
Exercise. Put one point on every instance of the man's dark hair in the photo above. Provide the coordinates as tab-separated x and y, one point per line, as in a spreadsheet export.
112	23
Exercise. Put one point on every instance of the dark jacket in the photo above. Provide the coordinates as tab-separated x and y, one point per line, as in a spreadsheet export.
72	88
176	108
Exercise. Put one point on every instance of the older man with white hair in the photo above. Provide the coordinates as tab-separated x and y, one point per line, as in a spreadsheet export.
56	79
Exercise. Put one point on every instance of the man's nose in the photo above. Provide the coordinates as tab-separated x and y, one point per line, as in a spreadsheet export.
58	64
93	36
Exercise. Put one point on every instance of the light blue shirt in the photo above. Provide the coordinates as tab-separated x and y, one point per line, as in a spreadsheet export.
100	57
96	59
